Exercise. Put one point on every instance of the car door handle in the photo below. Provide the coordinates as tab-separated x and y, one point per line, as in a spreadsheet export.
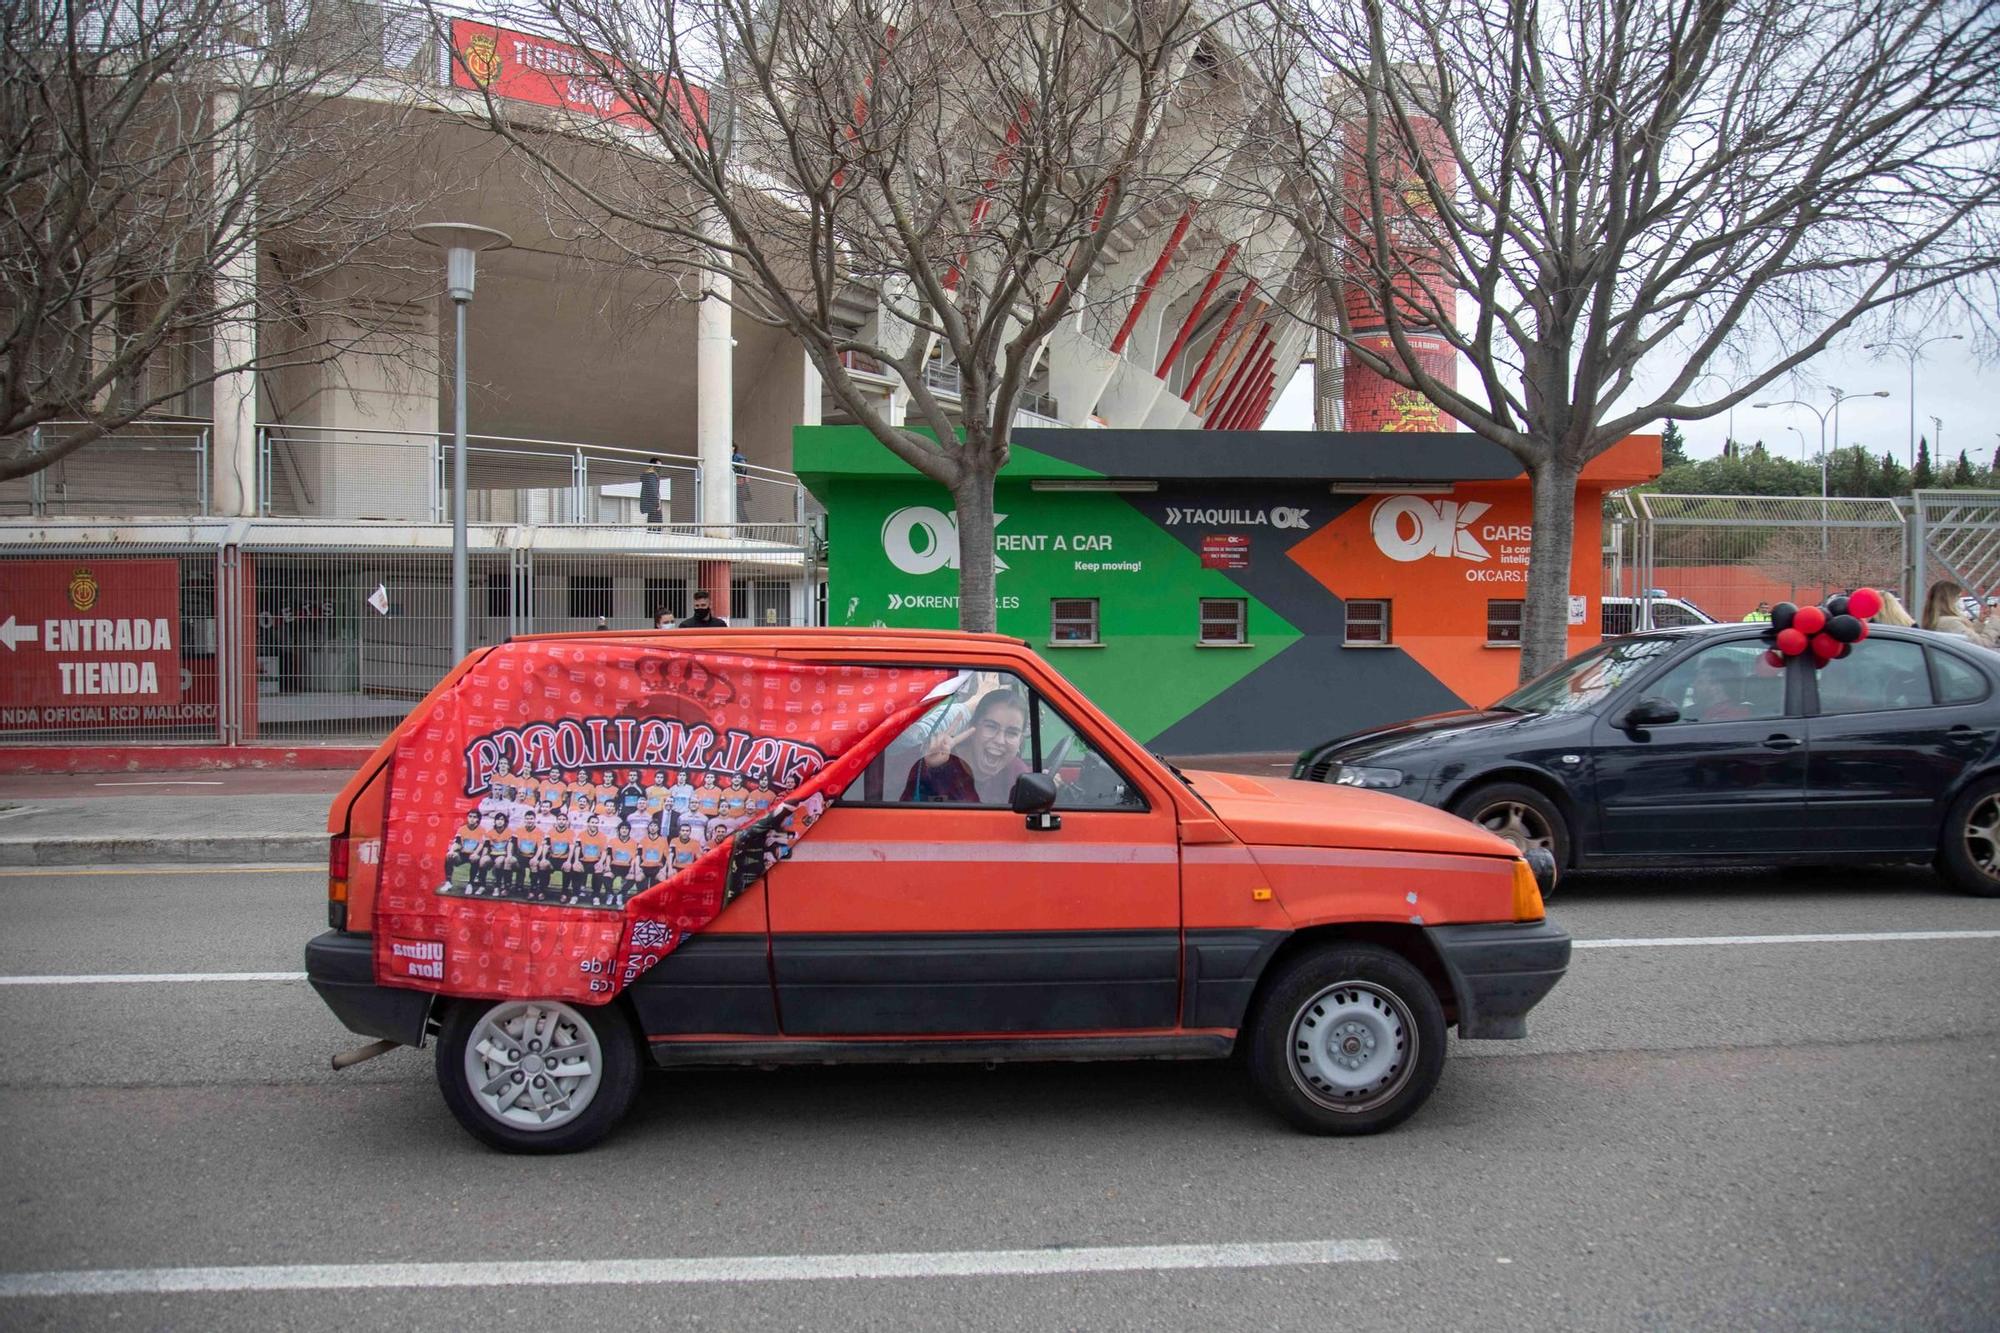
1781	742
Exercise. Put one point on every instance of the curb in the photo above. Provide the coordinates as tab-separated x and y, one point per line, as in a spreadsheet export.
30	759
222	849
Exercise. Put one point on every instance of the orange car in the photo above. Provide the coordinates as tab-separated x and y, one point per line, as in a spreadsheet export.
1012	878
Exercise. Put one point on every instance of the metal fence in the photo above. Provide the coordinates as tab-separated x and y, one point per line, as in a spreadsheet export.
1728	553
1956	535
306	632
156	468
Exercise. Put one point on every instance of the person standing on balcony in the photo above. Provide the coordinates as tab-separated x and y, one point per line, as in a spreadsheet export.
741	466
649	493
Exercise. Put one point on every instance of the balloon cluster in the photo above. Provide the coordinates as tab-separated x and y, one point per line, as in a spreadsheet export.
1827	631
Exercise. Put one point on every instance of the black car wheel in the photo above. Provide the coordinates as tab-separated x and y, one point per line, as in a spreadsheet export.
1969	854
1520	814
537	1076
1347	1039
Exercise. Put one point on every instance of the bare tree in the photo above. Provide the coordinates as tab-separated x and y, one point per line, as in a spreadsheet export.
152	153
1596	201
895	186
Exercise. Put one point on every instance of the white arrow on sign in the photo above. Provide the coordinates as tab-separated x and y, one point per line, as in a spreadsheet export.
12	634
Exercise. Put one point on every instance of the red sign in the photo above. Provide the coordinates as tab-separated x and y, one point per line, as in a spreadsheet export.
1221	550
89	641
568	813
528	68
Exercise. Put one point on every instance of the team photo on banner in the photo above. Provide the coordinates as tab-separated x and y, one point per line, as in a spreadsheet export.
568	813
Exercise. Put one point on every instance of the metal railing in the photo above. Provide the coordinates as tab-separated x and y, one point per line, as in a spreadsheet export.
1727	553
156	467
311	631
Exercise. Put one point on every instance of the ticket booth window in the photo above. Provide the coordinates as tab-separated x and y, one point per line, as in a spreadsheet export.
1503	623
1073	620
1367	622
1225	620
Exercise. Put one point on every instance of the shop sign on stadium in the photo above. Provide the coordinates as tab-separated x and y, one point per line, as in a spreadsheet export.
527	68
85	641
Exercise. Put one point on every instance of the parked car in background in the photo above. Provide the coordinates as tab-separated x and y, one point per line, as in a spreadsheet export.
1108	907
1630	615
1686	745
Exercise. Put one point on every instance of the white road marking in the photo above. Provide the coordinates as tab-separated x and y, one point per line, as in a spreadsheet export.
723	1269
15	812
178	868
146	978
165	782
1858	937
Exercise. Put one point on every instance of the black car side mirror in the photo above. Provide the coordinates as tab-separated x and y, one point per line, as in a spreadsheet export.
1650	712
1034	795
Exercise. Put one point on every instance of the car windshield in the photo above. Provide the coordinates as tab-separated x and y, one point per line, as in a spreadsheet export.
1585	679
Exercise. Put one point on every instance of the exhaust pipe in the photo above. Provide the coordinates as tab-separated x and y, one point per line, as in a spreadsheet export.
348	1059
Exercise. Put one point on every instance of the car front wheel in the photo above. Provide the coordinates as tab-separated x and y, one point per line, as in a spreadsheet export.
1519	814
1347	1039
1969	854
537	1076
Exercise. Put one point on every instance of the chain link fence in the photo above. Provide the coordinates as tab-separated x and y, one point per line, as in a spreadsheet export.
321	633
1726	554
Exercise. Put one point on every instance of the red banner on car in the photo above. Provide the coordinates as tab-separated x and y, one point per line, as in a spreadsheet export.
569	812
529	68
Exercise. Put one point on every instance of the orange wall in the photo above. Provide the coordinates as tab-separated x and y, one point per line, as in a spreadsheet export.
1471	546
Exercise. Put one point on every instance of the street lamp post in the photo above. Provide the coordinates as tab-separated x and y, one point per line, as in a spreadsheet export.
1914	351
461	243
1729	431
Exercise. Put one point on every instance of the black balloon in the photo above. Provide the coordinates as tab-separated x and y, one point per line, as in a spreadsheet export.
1836	606
1781	615
1845	649
1845	628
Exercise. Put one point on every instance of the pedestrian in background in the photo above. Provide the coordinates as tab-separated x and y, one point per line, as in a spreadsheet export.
1944	613
1762	615
703	617
741	466
649	493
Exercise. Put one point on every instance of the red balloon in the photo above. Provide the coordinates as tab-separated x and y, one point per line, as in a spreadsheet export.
1864	602
1810	620
1825	645
1791	642
1774	658
1864	628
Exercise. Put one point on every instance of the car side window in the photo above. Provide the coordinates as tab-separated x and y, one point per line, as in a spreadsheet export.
1958	681
1876	676
1730	682
967	750
1666	615
1085	779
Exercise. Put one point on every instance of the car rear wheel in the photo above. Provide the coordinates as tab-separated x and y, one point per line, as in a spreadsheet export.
1969	855
537	1076
1346	1040
1520	814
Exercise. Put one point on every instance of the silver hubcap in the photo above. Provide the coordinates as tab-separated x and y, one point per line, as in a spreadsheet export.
1519	824
1982	836
533	1064
1353	1046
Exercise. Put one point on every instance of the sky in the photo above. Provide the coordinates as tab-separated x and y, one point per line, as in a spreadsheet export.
1952	385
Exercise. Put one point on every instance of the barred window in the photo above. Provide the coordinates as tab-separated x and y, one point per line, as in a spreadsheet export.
1225	620
1367	620
1073	620
1503	622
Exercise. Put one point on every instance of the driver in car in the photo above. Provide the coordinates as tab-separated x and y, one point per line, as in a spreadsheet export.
1719	688
976	766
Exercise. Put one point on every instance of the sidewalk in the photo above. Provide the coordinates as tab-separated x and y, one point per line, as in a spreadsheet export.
245	819
234	816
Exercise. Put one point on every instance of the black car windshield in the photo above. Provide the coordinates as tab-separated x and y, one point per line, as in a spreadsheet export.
1585	679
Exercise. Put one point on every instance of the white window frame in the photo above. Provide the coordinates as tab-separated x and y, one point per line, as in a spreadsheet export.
1236	607
1058	621
1385	622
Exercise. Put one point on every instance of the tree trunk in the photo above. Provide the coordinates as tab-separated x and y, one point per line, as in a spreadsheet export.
1545	618
976	603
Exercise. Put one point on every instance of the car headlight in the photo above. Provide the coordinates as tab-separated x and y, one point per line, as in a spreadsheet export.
1359	775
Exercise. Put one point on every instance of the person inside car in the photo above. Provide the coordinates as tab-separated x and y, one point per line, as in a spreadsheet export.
976	766
1718	693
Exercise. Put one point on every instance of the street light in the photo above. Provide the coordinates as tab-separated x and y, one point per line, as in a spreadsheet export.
461	243
1833	410
1729	431
1914	351
1802	439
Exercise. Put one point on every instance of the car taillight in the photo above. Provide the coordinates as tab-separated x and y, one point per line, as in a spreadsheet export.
1527	894
336	881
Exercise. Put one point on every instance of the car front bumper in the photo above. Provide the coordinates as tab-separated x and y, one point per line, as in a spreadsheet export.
341	967
1500	971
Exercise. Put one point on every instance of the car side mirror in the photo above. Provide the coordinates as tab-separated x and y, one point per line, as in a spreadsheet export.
1650	712
1034	795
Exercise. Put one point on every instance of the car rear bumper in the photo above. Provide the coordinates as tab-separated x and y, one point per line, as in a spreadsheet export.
1501	971
341	967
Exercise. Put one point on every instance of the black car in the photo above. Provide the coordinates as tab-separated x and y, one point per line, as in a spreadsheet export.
1689	745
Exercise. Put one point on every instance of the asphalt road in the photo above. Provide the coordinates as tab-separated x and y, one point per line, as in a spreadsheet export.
1758	1133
